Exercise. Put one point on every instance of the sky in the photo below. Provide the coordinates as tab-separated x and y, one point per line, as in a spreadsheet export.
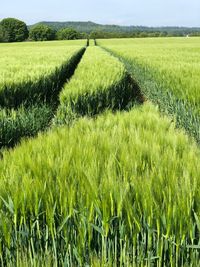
121	12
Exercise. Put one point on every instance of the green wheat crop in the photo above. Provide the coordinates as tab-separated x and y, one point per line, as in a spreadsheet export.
33	70
99	82
167	70
120	190
174	60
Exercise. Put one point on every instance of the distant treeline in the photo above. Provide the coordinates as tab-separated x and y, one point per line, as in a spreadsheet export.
14	30
142	34
116	31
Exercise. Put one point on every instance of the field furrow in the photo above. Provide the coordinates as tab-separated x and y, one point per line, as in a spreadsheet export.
118	189
100	82
35	72
31	87
167	71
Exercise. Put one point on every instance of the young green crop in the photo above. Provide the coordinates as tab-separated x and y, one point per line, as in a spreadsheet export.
123	189
99	82
174	60
34	74
167	70
33	71
119	190
22	61
23	122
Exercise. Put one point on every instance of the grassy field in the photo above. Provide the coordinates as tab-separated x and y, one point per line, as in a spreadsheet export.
121	188
167	70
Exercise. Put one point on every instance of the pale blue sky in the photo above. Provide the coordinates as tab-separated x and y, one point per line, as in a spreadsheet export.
124	12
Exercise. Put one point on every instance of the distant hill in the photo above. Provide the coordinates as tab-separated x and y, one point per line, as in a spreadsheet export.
79	26
89	27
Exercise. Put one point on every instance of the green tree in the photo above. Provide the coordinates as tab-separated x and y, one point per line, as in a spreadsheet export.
1	34
13	30
97	34
163	34
144	34
68	34
41	33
